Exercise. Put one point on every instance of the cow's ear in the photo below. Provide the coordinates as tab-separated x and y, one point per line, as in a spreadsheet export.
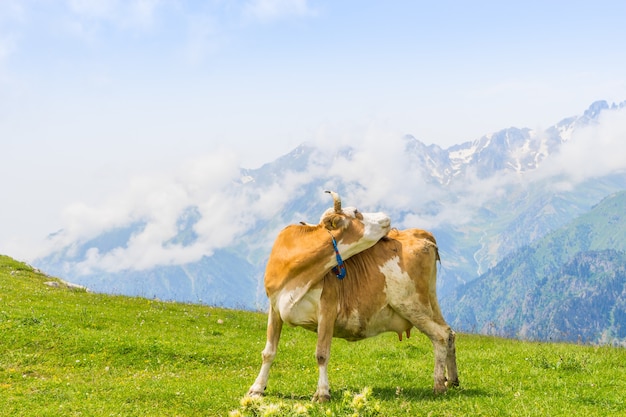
328	222
334	222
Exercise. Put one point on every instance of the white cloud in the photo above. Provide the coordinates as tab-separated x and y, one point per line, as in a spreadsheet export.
11	9
378	172
136	11
204	37
144	10
159	200
11	13
378	169
93	8
7	46
593	151
266	10
209	183
88	16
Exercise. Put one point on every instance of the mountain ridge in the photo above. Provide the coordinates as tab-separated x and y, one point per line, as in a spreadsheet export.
482	199
568	286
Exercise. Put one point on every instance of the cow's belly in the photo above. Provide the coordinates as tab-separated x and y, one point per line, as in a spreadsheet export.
355	327
299	310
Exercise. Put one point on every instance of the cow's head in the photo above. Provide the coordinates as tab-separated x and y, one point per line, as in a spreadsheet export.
353	230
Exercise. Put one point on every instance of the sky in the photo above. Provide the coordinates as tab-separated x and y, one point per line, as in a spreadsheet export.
100	96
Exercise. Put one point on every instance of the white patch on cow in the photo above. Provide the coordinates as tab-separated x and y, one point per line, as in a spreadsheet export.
398	282
299	306
391	269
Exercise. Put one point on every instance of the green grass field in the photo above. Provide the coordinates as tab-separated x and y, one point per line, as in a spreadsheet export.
68	352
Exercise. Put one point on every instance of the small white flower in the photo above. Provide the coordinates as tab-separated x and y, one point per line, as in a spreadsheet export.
271	410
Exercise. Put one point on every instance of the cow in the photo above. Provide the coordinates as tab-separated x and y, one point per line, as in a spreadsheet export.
390	286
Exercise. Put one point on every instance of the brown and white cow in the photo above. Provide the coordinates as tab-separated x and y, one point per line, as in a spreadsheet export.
390	286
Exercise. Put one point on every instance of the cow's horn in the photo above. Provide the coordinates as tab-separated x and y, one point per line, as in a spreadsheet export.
337	201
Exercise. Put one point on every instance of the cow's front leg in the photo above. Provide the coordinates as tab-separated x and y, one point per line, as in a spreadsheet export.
326	323
274	327
323	387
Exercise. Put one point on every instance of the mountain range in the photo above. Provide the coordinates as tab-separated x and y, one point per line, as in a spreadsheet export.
570	285
485	200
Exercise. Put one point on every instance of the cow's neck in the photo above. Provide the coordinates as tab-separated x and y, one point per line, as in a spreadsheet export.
340	269
302	264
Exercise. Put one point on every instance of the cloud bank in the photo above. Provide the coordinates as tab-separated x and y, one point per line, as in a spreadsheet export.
212	185
593	151
374	165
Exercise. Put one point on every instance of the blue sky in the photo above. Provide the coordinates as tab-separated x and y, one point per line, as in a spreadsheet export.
96	93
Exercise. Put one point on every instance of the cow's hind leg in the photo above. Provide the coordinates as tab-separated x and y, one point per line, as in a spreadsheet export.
453	375
440	345
274	327
442	337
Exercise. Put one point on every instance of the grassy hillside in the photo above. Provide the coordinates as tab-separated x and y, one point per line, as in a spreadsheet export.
67	352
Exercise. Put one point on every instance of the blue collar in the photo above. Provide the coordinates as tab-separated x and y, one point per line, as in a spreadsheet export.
340	269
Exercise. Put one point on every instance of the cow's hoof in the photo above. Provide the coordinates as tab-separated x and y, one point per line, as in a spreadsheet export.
321	398
454	383
439	390
255	393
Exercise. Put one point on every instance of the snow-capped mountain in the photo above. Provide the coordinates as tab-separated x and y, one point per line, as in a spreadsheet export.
512	149
482	199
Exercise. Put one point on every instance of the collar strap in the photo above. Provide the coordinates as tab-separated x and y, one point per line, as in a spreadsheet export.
340	269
